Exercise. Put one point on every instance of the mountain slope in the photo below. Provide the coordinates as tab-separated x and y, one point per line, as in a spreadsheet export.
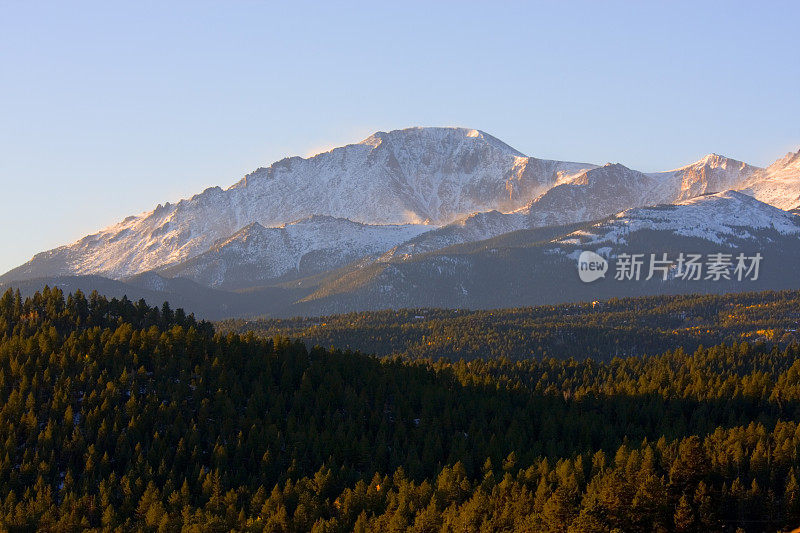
518	268
419	174
513	269
585	196
722	218
714	173
257	255
778	184
593	194
476	227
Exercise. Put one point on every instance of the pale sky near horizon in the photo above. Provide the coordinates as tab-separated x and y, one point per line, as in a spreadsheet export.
110	108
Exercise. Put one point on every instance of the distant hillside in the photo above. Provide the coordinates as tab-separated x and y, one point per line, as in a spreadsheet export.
618	327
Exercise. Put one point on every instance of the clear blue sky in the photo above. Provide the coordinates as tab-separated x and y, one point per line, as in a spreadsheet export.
109	108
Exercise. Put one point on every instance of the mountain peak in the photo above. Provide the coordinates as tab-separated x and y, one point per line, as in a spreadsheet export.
604	172
714	160
713	157
778	184
710	174
791	159
437	134
252	230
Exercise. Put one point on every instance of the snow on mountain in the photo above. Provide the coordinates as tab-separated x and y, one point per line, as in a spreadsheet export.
719	218
778	184
592	195
405	176
400	194
475	227
581	197
169	234
713	173
435	175
256	254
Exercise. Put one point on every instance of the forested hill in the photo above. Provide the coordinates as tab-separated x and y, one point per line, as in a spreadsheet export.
600	330
119	416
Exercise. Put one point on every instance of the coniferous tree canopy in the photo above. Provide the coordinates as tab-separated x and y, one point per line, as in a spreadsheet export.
119	416
599	330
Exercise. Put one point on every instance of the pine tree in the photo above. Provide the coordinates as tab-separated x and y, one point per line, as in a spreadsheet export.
684	515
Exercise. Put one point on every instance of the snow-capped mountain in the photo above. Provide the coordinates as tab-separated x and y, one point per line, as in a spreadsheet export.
520	268
418	202
593	194
590	195
713	173
432	175
778	184
727	217
404	176
255	255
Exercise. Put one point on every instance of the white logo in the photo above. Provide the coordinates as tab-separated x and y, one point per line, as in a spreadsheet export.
591	266
685	267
